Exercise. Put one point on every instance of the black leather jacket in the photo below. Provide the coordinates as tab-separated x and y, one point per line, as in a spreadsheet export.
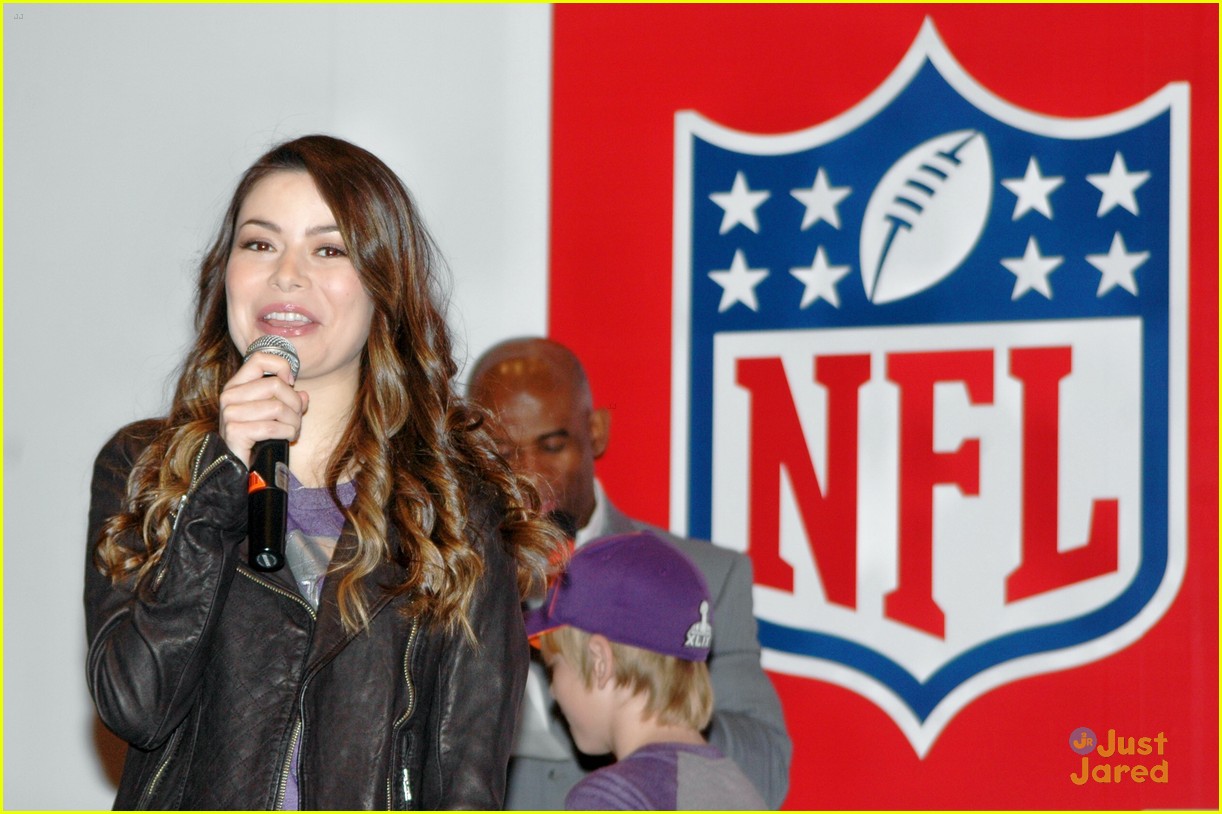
212	673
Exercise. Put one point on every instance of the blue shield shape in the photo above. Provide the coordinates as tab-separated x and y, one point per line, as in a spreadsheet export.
929	373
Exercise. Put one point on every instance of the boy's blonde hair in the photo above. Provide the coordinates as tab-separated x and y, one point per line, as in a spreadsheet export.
677	692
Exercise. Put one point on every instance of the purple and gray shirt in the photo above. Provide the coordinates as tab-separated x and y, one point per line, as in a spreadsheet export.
667	777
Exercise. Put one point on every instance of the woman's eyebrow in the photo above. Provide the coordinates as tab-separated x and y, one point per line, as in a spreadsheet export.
313	230
258	222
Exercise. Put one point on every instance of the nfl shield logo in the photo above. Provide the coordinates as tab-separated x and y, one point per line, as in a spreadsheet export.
929	374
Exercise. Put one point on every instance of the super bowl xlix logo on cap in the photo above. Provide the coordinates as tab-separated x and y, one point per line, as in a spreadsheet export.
929	373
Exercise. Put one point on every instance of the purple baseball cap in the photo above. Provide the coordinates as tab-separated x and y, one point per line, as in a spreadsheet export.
635	589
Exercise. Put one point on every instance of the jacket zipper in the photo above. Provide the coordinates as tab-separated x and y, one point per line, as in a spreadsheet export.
405	776
297	729
165	762
283	788
250	575
197	478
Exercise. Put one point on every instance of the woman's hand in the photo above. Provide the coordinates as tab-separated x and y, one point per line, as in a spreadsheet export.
259	404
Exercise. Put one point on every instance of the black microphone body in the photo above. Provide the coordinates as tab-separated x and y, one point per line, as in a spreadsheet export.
267	507
268	498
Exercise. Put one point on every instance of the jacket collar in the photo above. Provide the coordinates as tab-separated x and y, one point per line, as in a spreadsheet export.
330	636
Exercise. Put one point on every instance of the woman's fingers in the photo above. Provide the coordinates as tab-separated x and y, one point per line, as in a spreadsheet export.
258	403
261	365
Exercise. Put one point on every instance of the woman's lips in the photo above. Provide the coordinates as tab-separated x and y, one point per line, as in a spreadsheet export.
286	320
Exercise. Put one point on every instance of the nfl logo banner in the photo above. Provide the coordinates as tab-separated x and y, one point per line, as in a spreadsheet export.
930	374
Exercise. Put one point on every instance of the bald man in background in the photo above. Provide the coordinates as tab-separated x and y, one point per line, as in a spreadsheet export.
548	429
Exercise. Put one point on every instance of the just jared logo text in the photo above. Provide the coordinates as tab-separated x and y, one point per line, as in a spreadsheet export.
1118	753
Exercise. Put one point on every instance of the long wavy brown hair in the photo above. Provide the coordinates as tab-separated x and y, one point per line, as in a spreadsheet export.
419	451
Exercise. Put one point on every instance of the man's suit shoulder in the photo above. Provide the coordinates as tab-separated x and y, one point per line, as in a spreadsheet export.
714	562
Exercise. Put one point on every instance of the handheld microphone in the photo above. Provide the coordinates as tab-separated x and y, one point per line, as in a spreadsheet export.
267	492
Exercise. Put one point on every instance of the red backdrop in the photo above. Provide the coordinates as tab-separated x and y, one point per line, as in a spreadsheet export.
620	74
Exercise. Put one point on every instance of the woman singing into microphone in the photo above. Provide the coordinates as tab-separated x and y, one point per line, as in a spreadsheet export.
383	665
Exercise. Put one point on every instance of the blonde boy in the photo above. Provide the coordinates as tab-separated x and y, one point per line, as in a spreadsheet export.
625	633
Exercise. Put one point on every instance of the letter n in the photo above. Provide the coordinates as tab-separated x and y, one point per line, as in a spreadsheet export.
829	514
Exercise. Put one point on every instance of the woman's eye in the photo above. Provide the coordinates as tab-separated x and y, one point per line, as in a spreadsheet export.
332	251
257	246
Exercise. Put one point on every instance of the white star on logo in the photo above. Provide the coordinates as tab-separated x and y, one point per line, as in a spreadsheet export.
820	279
739	205
1118	185
1032	270
1117	267
1033	190
821	200
738	283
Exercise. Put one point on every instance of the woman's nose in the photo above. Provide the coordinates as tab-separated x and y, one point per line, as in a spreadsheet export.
288	273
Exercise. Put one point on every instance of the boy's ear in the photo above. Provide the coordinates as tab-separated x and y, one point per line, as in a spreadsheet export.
602	660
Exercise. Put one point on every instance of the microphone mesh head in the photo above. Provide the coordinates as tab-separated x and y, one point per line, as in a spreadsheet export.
276	346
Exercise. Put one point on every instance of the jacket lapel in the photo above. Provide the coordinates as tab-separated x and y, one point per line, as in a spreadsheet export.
330	636
617	522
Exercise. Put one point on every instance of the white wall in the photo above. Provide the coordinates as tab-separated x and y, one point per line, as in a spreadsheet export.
125	129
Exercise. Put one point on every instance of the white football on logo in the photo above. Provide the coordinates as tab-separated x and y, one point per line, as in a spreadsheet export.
925	215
